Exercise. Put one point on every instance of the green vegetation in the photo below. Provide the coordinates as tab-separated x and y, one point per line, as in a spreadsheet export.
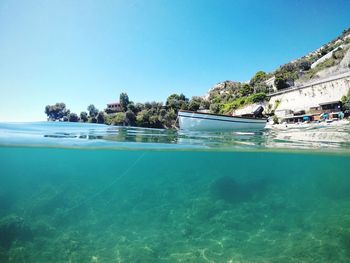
83	116
149	114
242	101
259	77
346	102
56	112
92	110
124	101
157	115
277	103
73	117
287	74
337	56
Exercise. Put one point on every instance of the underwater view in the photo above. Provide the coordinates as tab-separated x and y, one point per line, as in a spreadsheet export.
96	193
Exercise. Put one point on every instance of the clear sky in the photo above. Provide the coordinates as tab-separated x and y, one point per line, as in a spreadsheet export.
83	52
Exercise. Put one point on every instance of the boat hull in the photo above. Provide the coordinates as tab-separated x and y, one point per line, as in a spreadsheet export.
196	121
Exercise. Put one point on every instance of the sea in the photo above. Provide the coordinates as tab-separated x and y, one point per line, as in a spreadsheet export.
74	192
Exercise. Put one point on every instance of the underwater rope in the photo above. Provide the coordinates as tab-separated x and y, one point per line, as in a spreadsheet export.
108	186
96	194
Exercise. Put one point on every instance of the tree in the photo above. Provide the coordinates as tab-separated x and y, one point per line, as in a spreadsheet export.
148	105
195	103
100	117
215	108
304	64
346	102
281	82
93	120
259	77
142	118
258	97
177	102
139	107
246	90
289	67
205	104
130	118
93	111
124	101
262	87
167	118
115	119
338	54
56	112
83	116
132	107
119	118
73	117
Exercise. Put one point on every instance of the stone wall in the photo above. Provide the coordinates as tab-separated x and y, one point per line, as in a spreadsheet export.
311	95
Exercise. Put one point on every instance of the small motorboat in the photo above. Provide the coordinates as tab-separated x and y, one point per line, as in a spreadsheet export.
198	121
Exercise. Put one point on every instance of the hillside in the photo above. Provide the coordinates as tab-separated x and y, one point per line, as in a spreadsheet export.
330	59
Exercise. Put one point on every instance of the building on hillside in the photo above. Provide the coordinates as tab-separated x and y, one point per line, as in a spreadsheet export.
327	110
113	107
327	107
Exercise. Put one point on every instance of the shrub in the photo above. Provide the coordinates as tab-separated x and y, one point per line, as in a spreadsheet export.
246	90
277	103
289	67
73	117
84	116
100	117
130	117
93	120
304	64
262	87
338	54
240	102
281	82
258	97
259	77
346	102
215	108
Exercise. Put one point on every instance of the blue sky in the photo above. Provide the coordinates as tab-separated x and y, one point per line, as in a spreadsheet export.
83	52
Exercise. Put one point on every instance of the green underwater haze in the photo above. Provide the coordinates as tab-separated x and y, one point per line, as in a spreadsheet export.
82	204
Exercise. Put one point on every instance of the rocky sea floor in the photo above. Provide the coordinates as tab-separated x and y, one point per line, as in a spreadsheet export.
71	205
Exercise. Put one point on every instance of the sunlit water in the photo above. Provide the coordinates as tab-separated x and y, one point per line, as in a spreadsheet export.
93	193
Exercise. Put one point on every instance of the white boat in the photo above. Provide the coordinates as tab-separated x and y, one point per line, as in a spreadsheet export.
198	121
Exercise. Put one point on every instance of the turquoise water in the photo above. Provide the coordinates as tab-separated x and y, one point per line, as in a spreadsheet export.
91	193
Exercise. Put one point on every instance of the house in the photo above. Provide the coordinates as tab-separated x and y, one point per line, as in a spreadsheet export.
325	110
333	106
113	107
327	107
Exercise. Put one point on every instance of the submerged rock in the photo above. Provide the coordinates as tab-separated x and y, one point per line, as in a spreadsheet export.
13	228
228	189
